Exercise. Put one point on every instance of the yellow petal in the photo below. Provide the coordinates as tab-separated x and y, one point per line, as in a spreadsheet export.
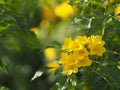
52	70
82	40
64	10
53	64
117	11
118	67
35	31
66	43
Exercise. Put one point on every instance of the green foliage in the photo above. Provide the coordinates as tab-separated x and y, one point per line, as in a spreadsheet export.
93	17
22	51
3	88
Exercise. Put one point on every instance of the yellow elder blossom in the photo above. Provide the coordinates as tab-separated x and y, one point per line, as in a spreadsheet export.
117	12
96	45
81	53
69	64
50	54
69	44
73	61
82	40
76	53
53	67
64	10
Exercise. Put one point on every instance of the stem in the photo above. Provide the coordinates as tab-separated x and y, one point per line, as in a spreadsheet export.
110	84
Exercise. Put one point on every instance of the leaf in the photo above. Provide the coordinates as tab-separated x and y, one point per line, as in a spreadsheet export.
56	44
4	88
37	74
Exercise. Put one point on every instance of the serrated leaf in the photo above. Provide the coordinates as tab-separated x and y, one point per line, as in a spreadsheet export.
37	74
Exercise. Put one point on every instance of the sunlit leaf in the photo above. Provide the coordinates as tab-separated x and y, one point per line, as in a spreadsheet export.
37	74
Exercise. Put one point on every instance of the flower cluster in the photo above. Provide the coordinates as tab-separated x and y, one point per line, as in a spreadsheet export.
76	52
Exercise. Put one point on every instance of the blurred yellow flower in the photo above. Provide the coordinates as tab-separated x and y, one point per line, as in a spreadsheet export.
118	66
117	12
50	54
84	88
47	13
96	45
63	10
108	2
36	31
53	67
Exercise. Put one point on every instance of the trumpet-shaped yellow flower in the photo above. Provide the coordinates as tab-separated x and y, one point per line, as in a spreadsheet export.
53	67
84	62
69	63
81	53
96	45
82	40
69	44
69	69
50	53
64	10
76	54
73	61
117	12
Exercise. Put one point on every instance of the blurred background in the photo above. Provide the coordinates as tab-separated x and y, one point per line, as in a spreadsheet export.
27	28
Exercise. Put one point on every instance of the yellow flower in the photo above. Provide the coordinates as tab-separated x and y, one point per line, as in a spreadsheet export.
82	40
118	66
47	13
53	67
76	54
81	53
72	62
69	44
108	2
35	31
96	45
50	53
64	10
117	12
69	69
69	63
63	59
84	62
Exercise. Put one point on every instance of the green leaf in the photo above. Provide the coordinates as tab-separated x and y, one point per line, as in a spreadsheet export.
4	88
56	44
